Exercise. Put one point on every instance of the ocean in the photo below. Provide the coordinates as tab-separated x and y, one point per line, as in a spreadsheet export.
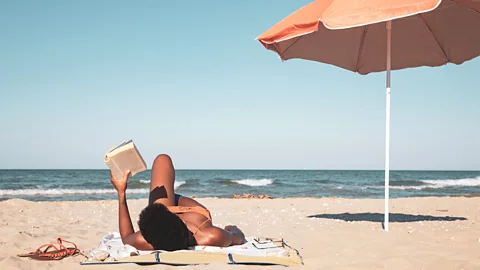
78	185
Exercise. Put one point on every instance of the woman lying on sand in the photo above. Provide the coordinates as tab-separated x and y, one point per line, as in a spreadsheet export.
170	221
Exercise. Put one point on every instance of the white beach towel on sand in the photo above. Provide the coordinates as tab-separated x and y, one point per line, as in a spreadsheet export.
113	245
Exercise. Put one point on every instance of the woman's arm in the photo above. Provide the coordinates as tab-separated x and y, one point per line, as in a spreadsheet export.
238	237
214	236
124	221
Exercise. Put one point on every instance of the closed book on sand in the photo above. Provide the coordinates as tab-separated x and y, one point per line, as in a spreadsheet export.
124	157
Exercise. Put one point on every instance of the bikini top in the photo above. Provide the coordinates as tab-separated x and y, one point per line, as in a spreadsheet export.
196	209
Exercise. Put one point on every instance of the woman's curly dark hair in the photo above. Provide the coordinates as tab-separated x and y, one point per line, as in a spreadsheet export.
163	229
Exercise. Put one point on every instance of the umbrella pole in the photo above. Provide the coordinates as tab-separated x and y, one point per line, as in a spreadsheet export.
387	123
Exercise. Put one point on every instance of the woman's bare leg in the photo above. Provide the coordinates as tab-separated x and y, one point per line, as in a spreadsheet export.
162	184
189	202
163	178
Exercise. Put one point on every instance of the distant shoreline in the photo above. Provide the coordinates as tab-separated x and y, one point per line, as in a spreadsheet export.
280	170
255	197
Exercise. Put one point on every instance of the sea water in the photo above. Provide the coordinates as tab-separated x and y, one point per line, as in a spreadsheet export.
57	185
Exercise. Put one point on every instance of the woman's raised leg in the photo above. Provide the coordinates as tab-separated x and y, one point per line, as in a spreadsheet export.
162	180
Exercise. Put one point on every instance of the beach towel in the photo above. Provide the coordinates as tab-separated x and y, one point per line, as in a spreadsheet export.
259	251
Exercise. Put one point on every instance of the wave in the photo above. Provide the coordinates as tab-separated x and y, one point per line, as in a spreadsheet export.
66	191
59	191
434	184
254	182
466	182
401	183
322	181
176	185
69	191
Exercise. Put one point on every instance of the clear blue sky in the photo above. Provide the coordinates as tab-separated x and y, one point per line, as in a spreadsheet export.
188	78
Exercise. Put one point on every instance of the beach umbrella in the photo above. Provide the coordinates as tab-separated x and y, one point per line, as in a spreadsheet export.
357	35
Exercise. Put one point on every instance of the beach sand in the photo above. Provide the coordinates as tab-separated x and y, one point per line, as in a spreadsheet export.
425	233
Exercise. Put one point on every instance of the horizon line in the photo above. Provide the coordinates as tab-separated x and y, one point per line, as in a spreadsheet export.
243	169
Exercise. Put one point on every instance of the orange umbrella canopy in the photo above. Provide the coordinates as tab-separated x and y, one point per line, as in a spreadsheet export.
349	33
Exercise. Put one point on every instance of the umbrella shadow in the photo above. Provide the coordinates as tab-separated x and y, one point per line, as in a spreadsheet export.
393	217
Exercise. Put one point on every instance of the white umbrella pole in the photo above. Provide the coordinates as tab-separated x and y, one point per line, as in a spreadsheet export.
387	123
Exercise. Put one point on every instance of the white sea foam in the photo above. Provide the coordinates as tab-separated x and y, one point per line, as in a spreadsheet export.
66	191
59	191
407	187
467	182
175	186
178	184
254	182
435	184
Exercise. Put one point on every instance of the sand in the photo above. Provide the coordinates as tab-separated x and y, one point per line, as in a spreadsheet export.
330	233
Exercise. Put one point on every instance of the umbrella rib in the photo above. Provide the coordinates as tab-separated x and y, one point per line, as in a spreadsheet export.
278	51
436	41
360	49
281	54
464	6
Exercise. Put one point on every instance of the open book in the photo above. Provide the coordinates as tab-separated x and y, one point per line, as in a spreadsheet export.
124	157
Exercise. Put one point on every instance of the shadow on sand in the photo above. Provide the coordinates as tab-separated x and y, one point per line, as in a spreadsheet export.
393	217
